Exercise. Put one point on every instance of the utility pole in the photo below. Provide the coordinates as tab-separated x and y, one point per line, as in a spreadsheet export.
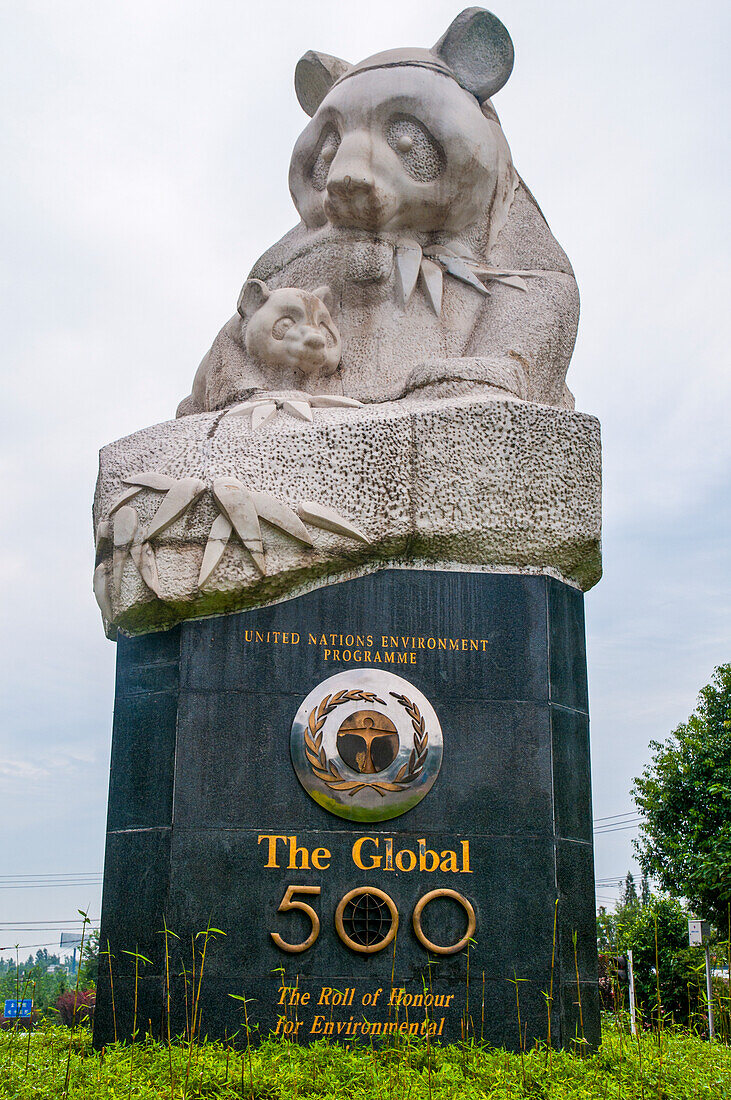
698	934
632	1010
709	992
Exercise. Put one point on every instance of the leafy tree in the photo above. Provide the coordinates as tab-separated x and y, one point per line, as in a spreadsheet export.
34	979
630	894
629	891
644	890
605	934
633	927
685	797
677	969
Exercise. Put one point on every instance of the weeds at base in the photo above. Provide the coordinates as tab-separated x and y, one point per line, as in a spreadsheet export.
682	1066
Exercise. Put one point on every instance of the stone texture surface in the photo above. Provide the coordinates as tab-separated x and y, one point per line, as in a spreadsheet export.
454	483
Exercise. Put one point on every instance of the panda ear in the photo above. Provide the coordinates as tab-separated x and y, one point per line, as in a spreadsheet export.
326	296
314	76
254	294
479	51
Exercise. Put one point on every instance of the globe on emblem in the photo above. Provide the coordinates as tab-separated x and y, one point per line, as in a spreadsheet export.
368	742
363	763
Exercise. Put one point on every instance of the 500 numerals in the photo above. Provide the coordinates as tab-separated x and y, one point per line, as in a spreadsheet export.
352	918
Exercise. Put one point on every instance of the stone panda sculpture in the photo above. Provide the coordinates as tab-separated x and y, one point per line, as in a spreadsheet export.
289	337
447	278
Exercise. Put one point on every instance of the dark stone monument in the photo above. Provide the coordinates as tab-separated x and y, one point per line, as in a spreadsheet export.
350	765
209	824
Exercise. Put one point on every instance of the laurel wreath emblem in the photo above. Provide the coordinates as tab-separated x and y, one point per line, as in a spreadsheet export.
329	773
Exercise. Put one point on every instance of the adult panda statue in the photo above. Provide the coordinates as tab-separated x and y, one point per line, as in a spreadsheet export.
445	277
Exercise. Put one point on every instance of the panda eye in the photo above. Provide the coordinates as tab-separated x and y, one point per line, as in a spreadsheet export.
420	154
280	327
327	333
329	144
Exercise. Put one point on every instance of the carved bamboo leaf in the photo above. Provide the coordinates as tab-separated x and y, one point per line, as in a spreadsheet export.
126	496
300	409
261	413
143	556
499	272
457	267
511	280
408	260
160	482
126	522
440	250
334	401
239	410
217	541
329	520
103	533
175	502
279	515
237	504
433	281
101	592
246	407
125	526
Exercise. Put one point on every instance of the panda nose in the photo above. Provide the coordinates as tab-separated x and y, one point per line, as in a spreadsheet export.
345	186
350	173
315	341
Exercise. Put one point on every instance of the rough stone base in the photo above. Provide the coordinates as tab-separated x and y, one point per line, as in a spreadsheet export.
454	483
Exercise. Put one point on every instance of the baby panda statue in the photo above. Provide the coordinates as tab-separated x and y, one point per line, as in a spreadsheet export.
290	341
290	329
447	278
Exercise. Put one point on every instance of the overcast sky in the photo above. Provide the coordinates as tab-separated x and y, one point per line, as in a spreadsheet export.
146	147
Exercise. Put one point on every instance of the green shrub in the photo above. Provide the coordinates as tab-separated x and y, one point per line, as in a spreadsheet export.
669	1065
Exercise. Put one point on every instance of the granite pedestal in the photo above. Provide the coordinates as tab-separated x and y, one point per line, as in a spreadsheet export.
202	779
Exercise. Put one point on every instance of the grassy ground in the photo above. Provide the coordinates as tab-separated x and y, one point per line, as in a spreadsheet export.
678	1066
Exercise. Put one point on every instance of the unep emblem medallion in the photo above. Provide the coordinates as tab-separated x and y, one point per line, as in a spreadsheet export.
366	745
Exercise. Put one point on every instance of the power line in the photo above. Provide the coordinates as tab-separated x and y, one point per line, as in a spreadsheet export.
28	946
52	923
50	885
56	874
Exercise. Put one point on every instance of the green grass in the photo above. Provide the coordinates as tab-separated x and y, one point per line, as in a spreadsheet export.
678	1066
